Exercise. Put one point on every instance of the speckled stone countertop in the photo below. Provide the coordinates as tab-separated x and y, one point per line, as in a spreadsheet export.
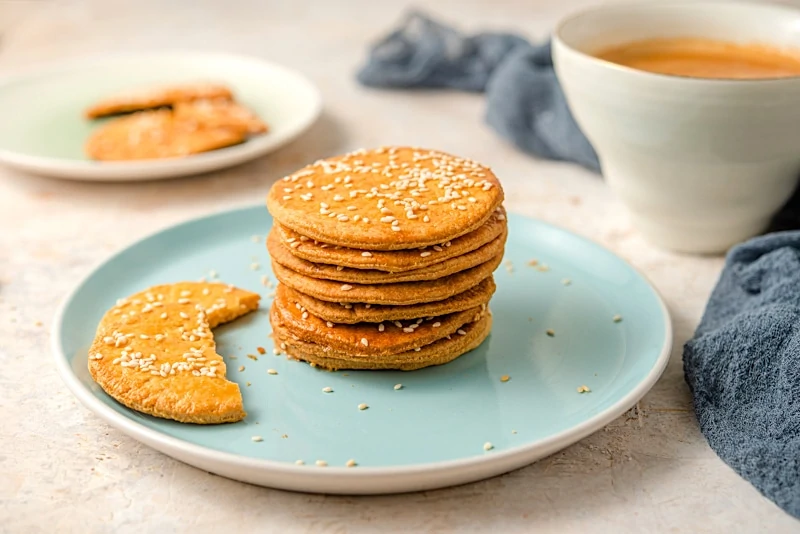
63	470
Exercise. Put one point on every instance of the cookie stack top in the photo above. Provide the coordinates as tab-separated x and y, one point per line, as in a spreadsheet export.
387	199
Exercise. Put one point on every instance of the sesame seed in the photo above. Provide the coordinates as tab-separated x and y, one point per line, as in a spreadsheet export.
241	368
287	197
505	378
304	315
164	315
338	198
381	328
329	324
362	406
352	208
211	274
272	372
144	336
184	315
206	291
461	332
183	301
321	463
387	219
299	462
437	248
395	228
583	389
617	318
437	324
425	254
408	330
364	342
346	287
398	386
366	254
488	446
426	219
257	438
350	463
566	281
255	266
550	332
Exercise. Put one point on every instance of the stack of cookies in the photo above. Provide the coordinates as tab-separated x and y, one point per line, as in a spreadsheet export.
385	258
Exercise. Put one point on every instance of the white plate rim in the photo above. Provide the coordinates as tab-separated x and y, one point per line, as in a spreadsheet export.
163	168
342	480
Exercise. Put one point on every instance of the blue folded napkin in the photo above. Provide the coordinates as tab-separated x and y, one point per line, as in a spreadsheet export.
524	101
743	364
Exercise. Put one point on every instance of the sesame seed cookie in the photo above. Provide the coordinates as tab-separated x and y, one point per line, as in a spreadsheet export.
368	339
283	255
403	293
154	97
439	352
219	113
394	261
386	199
154	352
368	313
157	134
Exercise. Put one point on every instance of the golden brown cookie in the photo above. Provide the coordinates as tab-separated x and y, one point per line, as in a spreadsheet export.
154	135
357	313
154	352
368	339
219	113
440	352
154	97
394	261
283	255
403	294
386	199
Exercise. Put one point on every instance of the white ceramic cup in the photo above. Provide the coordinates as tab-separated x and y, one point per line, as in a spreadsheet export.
702	164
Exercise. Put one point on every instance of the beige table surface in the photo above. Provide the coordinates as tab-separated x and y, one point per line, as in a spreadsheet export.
63	470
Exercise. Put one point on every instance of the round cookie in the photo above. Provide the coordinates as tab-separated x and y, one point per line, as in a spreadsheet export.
394	261
281	254
386	199
219	113
156	134
154	97
404	293
369	339
358	313
440	352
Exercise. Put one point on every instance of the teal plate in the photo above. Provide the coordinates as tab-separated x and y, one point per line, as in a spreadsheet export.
429	434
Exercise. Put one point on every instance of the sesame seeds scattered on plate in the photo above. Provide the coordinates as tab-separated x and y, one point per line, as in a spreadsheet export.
321	463
346	287
398	387
617	318
255	266
299	462
550	332
566	281
505	378
257	438
254	238
583	389
351	463
272	372
362	406
488	446
241	368
327	389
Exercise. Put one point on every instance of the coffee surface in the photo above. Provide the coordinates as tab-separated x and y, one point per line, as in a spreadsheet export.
705	58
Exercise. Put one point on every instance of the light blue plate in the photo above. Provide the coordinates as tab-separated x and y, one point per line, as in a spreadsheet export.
431	433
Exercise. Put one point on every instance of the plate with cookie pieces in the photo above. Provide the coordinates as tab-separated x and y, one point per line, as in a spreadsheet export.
381	325
151	116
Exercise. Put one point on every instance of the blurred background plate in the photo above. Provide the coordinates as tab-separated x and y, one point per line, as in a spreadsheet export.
429	434
43	129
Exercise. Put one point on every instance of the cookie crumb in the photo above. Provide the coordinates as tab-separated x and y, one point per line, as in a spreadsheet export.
362	406
488	446
505	378
583	389
533	263
272	372
550	332
261	350
241	368
398	386
543	268
351	463
617	318
257	438
38	323
284	436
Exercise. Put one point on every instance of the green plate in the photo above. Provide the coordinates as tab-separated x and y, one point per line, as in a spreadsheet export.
431	433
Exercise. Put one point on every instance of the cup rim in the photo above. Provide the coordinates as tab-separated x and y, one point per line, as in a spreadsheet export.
617	6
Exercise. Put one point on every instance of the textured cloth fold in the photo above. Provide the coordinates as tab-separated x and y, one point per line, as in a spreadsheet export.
525	103
743	366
